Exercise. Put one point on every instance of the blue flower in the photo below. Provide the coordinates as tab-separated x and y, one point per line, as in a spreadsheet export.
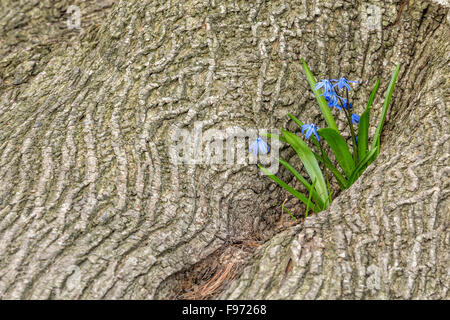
310	129
325	84
344	102
342	82
356	140
355	118
332	100
259	146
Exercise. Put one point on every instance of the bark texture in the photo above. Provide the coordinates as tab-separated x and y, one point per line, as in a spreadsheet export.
30	31
92	207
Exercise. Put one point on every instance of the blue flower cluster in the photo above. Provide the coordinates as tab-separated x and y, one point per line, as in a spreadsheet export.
331	96
333	100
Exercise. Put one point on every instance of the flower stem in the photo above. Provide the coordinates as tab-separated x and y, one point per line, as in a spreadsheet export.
326	175
352	130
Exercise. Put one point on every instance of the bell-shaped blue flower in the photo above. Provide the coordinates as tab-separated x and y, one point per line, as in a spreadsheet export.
332	100
342	82
310	129
325	84
355	118
259	145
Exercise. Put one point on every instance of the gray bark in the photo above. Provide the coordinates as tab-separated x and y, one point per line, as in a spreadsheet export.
92	207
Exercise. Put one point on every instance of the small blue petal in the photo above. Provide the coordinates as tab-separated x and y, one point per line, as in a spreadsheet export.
254	148
325	84
263	147
305	127
259	145
317	135
332	100
311	128
342	82
355	118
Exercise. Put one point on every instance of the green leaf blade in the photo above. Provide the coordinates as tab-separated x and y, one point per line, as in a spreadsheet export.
343	183
294	118
387	101
359	169
292	216
287	187
309	198
340	149
364	123
274	136
320	99
363	134
305	183
309	161
373	94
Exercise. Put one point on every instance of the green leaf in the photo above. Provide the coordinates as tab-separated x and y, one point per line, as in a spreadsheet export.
343	183
298	122
309	198
368	159
340	149
326	161
316	143
276	136
329	192
320	99
292	216
287	187
372	94
363	134
300	178
387	101
363	126
309	161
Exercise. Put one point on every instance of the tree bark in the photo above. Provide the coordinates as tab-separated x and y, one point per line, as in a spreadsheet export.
91	205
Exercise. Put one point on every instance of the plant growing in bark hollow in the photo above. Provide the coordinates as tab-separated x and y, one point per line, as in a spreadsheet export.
332	93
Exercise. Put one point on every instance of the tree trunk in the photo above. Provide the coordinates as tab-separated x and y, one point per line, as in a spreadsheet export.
92	204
